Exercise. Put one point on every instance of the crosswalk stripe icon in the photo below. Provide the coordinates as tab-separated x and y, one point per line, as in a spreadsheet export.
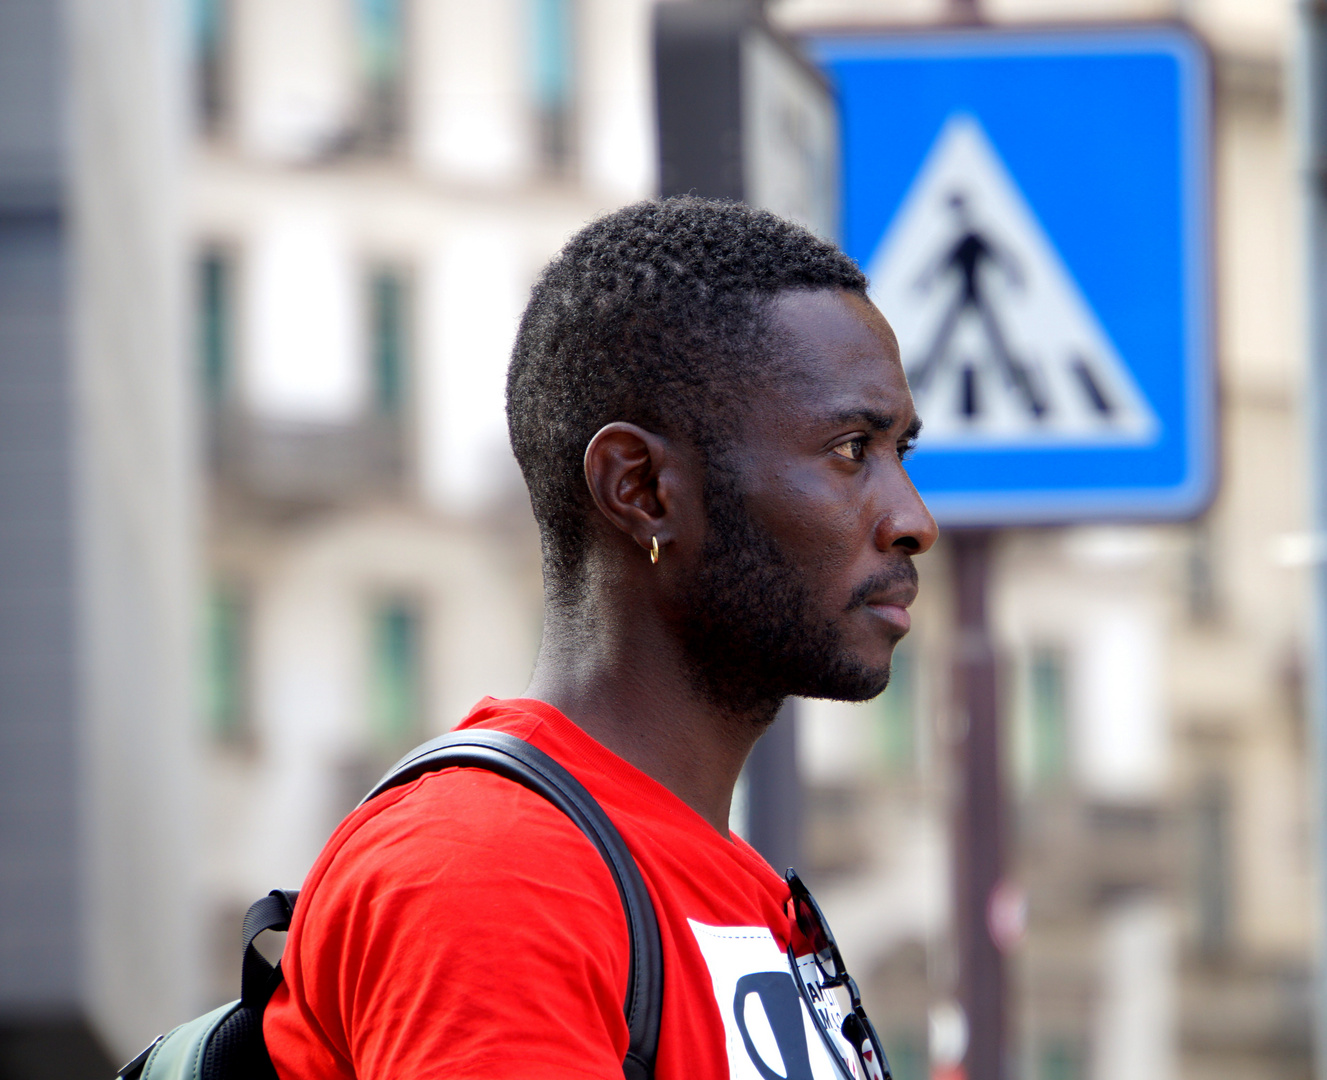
999	344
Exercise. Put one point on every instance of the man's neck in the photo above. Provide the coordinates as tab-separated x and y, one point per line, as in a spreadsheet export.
628	686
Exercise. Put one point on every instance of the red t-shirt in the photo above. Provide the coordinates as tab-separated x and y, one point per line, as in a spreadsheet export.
462	926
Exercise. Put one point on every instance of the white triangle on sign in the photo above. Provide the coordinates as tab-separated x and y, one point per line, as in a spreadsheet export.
999	344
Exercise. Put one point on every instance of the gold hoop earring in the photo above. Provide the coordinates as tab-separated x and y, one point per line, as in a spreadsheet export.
654	549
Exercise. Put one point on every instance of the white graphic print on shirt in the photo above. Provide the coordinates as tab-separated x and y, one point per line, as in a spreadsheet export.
769	1031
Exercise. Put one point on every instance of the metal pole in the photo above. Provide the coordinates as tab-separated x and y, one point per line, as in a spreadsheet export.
774	793
1312	93
979	823
965	11
980	820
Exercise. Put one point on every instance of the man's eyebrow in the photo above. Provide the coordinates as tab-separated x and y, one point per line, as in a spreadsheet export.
879	421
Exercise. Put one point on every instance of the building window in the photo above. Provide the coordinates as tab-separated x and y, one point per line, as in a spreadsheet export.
1201	576
226	664
210	39
896	712
389	340
396	674
215	324
1212	858
553	79
381	40
907	1056
1047	716
1060	1059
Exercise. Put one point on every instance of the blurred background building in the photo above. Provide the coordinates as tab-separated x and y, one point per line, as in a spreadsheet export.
260	268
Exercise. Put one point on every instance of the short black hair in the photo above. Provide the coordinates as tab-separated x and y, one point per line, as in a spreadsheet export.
653	314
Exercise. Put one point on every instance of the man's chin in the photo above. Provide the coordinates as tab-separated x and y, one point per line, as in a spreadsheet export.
849	684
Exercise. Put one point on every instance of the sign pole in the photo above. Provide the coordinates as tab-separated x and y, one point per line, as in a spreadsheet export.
774	793
980	820
965	11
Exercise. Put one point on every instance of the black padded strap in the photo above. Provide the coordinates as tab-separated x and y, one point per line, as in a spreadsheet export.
517	760
258	978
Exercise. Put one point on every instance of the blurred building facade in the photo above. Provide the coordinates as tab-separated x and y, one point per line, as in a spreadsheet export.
374	186
363	194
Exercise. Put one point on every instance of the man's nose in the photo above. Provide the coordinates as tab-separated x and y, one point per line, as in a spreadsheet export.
906	523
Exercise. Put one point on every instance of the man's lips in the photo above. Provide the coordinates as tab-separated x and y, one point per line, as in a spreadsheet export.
892	607
896	616
896	587
887	597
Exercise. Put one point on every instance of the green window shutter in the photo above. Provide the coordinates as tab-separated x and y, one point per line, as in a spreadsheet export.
382	58
225	665
215	325
1060	1059
396	682
552	45
907	1056
896	711
388	340
1048	716
209	28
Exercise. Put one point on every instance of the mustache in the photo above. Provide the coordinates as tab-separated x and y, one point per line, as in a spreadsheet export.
905	573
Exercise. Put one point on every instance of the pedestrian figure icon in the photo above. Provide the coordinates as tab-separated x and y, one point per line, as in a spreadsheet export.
969	258
998	342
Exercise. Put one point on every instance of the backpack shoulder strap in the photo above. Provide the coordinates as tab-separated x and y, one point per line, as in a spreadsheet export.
258	978
517	760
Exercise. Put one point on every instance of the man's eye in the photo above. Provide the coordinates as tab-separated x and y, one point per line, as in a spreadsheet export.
853	449
905	449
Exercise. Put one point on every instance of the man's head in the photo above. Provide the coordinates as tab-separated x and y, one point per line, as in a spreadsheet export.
741	350
656	314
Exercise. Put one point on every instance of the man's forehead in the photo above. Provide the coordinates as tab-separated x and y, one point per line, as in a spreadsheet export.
835	324
838	355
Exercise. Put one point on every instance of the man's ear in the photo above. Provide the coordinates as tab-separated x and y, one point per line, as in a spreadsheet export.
629	472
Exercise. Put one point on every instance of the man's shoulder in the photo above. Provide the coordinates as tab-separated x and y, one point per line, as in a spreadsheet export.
467	822
421	895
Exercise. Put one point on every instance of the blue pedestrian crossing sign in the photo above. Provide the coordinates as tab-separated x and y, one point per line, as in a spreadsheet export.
1032	212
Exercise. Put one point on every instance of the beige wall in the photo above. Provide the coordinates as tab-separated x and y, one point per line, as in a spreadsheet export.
136	465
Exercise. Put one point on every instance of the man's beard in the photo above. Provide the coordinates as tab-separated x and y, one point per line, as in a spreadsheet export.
749	625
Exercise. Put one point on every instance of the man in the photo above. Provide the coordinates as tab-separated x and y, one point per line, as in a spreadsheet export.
711	418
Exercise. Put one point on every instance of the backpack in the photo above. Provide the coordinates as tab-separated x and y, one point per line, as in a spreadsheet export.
227	1043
